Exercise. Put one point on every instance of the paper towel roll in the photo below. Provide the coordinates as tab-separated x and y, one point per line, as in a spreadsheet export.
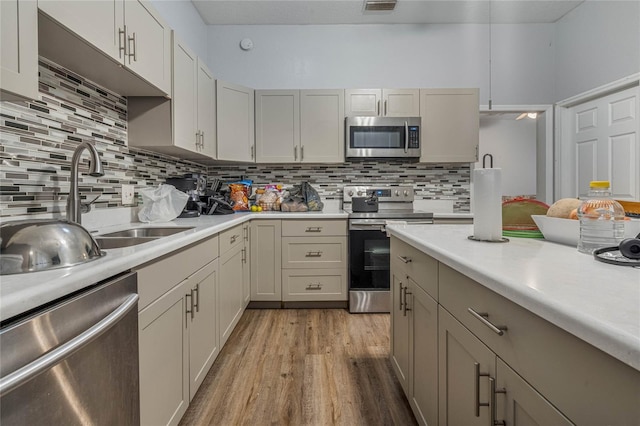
487	204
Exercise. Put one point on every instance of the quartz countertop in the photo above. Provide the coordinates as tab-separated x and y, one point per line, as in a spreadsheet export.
20	293
597	302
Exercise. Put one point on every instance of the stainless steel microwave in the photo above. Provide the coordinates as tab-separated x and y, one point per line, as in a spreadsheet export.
382	137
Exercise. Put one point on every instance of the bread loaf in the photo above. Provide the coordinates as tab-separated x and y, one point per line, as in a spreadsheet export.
563	207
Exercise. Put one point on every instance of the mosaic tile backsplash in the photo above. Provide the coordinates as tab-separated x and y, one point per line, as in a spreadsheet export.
38	139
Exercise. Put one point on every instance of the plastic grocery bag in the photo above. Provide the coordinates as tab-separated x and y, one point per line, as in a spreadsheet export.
161	204
311	197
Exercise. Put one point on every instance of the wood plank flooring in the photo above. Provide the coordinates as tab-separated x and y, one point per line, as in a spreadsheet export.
303	367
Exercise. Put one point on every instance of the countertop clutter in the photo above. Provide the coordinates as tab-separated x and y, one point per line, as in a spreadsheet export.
597	302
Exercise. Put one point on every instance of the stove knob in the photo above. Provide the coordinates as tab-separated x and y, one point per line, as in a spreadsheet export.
397	193
350	193
360	193
406	193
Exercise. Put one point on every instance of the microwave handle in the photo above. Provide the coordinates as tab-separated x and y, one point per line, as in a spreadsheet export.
406	137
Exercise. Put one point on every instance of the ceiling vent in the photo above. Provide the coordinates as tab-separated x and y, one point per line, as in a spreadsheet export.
379	5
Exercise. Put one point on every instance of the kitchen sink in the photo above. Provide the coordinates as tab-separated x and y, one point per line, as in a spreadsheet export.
121	242
147	232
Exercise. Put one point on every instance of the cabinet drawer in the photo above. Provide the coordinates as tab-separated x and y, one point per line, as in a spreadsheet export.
579	379
422	268
311	228
314	285
319	252
159	276
231	238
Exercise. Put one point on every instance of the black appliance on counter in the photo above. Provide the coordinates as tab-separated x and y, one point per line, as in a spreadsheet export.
195	186
370	208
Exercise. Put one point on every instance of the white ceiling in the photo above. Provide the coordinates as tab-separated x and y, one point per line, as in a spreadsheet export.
297	12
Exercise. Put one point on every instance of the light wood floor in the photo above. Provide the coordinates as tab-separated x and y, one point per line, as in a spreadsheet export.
303	367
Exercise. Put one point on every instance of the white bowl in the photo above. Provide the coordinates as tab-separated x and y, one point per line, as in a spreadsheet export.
567	231
563	231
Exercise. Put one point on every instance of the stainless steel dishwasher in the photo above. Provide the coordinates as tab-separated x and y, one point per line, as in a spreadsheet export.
74	362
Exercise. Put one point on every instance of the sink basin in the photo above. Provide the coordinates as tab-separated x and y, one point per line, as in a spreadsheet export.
121	242
147	232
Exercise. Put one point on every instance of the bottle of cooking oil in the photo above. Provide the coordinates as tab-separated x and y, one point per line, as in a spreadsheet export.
601	219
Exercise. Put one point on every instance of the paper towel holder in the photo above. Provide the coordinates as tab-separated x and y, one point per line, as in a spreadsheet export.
501	240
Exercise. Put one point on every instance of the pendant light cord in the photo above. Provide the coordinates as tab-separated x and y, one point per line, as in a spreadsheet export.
490	101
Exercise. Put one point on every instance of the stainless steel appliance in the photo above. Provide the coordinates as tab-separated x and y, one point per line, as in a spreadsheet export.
383	137
369	263
74	361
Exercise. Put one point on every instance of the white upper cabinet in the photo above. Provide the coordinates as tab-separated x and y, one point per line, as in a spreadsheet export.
185	125
299	126
277	126
130	32
235	122
450	125
18	49
322	126
382	102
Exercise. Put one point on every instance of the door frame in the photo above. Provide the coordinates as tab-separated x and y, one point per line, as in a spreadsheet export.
565	159
545	143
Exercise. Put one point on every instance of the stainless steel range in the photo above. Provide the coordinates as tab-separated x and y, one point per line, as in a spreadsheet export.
370	208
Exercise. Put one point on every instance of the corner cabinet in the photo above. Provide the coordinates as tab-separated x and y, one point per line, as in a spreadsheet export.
467	356
299	126
450	125
382	102
18	50
266	255
184	125
231	293
235	122
130	32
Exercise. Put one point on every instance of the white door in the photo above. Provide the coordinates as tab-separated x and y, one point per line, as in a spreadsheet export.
235	122
606	145
184	97
207	110
277	126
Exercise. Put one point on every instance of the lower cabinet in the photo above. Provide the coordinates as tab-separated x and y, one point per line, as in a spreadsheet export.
266	254
478	388
178	341
466	355
231	296
414	343
246	264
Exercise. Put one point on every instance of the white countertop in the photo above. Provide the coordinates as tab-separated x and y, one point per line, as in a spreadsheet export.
22	292
597	302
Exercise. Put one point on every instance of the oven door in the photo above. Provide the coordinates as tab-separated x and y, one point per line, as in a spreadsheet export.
368	268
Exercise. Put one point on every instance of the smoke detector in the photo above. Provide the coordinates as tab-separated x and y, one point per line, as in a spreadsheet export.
379	5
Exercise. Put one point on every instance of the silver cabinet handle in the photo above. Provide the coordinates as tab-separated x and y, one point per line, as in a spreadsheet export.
22	375
401	293
196	303
378	109
252	152
301	152
191	309
122	42
233	238
314	229
494	409
404	259
202	139
295	153
135	50
385	108
406	304
244	255
246	233
483	318
476	390
314	286
314	254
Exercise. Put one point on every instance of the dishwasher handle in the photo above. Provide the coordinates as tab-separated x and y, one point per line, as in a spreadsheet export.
22	375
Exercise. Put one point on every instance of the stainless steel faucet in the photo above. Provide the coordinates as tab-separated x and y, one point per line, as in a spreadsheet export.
95	169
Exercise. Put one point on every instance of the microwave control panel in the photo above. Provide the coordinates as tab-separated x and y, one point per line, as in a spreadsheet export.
414	137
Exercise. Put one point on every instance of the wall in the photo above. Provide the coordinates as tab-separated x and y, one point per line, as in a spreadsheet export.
430	181
185	20
597	43
390	56
38	139
512	143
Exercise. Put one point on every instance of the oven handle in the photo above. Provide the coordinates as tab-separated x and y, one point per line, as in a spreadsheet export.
29	371
406	137
367	227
